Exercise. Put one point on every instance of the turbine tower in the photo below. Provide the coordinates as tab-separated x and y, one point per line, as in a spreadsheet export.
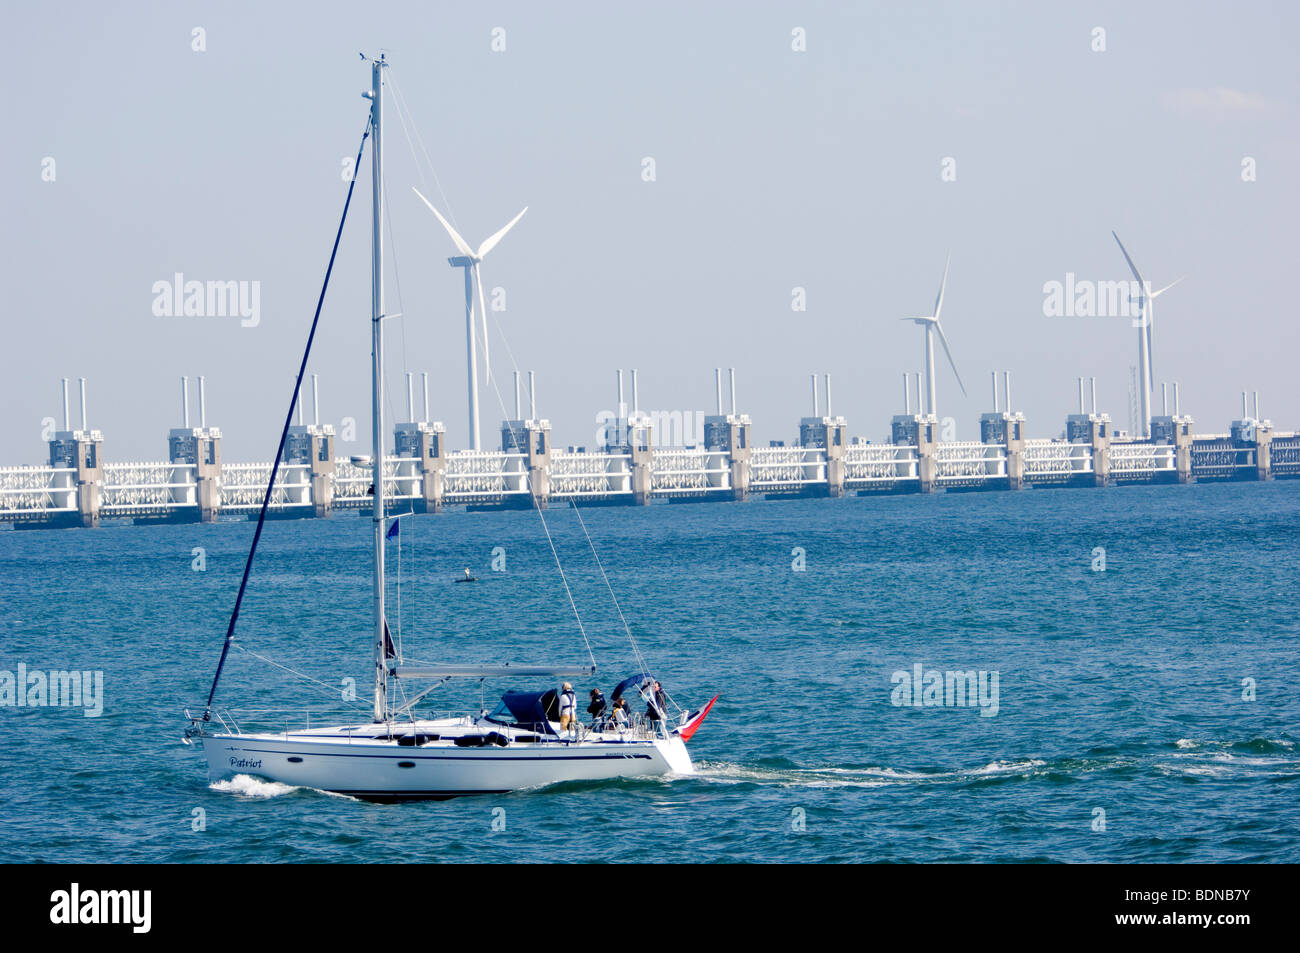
1147	312
932	325
469	260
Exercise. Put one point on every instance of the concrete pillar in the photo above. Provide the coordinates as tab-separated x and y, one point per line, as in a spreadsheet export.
1100	437
739	442
641	447
82	450
837	441
433	471
208	481
1183	438
321	443
1263	450
1015	447
207	473
927	466
539	461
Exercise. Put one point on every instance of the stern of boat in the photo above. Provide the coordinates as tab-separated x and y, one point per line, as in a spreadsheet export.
673	750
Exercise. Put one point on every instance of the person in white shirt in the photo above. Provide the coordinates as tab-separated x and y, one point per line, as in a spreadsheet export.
568	709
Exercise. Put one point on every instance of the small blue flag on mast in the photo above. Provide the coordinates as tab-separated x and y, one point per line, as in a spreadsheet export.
392	530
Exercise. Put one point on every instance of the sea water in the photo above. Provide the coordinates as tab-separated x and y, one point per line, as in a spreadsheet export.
1131	655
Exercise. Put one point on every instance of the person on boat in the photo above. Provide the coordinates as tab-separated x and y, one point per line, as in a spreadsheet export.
597	709
621	717
657	705
568	708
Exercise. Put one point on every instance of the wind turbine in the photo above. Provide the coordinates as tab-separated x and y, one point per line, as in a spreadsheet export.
931	325
469	260
1145	299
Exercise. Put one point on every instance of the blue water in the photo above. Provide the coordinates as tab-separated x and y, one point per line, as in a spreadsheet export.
1120	691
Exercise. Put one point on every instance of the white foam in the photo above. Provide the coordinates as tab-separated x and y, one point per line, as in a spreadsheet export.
829	777
252	787
1008	767
1255	761
1208	771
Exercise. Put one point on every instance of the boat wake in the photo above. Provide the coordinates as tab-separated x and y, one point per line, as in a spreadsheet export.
868	777
1195	759
245	785
248	786
1227	759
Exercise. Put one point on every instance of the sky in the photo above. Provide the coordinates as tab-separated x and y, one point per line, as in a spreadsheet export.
149	139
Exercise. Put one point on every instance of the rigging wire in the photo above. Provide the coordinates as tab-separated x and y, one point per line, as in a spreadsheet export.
270	661
636	650
537	507
494	380
400	101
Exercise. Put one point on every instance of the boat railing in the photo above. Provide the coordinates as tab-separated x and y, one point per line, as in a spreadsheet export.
231	720
300	719
637	728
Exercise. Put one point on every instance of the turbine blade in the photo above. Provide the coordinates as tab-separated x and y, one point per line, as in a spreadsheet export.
490	242
938	302
944	341
1131	267
482	313
455	236
1166	287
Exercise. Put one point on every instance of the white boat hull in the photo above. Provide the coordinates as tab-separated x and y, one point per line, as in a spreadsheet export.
384	770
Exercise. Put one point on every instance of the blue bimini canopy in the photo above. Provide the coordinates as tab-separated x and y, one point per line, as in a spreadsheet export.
634	682
533	710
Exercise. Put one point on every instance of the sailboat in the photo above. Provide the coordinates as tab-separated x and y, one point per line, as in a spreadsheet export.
524	742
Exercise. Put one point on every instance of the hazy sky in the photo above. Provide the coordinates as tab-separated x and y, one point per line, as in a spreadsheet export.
775	169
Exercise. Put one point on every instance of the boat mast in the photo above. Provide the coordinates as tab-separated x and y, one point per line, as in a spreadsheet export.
377	373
